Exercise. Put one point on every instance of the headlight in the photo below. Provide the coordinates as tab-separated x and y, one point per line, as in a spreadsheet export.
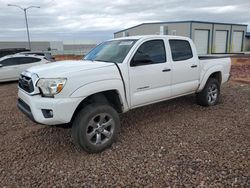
52	86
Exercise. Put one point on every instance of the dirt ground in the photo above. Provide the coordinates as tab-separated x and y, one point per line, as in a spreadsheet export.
170	144
68	57
241	69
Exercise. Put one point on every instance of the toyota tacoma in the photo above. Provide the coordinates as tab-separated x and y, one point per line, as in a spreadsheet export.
116	76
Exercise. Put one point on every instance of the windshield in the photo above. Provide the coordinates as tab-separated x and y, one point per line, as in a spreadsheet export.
111	51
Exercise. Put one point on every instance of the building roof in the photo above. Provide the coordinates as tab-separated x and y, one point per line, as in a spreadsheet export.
189	21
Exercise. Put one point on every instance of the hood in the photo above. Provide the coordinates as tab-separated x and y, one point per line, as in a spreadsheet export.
62	68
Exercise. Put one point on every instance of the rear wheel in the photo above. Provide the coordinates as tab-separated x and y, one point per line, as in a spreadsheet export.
209	96
96	127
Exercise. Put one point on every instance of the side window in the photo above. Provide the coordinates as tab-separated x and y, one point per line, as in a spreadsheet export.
26	60
10	62
181	50
153	50
34	60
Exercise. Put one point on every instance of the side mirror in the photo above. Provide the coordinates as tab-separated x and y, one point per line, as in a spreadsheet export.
140	59
1	65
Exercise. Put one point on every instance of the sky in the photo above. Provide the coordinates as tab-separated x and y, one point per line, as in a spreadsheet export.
92	21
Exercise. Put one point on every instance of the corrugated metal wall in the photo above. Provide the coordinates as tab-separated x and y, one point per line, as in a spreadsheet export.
220	37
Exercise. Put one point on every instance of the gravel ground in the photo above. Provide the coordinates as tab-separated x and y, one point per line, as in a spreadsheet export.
170	144
241	72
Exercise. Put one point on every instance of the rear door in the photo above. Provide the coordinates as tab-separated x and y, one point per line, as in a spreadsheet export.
9	69
185	65
150	81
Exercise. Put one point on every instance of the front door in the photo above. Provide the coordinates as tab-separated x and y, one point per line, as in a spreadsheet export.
150	74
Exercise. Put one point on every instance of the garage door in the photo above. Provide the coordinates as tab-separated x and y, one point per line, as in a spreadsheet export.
220	41
201	40
237	41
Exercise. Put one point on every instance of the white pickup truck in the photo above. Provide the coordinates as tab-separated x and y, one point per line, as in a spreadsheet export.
116	76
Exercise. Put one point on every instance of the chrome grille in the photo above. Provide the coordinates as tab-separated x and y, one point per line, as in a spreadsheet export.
26	83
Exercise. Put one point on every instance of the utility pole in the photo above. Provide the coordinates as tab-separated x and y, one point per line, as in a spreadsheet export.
26	19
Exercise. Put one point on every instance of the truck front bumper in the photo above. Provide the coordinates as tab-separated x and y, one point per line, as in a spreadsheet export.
35	107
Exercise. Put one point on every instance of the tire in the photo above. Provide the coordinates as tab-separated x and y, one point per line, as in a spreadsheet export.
209	96
96	127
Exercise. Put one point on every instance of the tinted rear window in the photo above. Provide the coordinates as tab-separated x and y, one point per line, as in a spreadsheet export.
26	60
180	49
10	61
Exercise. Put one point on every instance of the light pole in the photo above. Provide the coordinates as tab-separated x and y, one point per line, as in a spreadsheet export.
26	20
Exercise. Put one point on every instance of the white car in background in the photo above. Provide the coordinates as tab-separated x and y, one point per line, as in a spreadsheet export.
46	55
12	66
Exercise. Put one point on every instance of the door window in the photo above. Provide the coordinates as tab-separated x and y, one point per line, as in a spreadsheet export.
26	60
181	50
10	61
151	51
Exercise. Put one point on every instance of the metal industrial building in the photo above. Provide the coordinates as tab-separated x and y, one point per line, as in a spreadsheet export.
35	45
209	37
56	47
77	49
247	42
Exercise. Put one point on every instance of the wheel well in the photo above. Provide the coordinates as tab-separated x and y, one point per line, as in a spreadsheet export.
217	76
111	97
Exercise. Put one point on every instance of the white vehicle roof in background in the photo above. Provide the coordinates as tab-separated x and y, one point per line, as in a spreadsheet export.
21	55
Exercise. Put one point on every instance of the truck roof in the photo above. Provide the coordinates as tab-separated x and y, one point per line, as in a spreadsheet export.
151	36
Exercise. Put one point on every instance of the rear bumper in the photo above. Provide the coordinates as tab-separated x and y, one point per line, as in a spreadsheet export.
62	108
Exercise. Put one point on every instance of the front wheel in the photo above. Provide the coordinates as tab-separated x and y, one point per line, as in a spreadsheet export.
209	96
96	127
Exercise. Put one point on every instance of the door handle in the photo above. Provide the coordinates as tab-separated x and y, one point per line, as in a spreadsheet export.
166	70
194	66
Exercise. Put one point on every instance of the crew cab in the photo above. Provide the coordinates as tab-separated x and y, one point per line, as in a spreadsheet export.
116	76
